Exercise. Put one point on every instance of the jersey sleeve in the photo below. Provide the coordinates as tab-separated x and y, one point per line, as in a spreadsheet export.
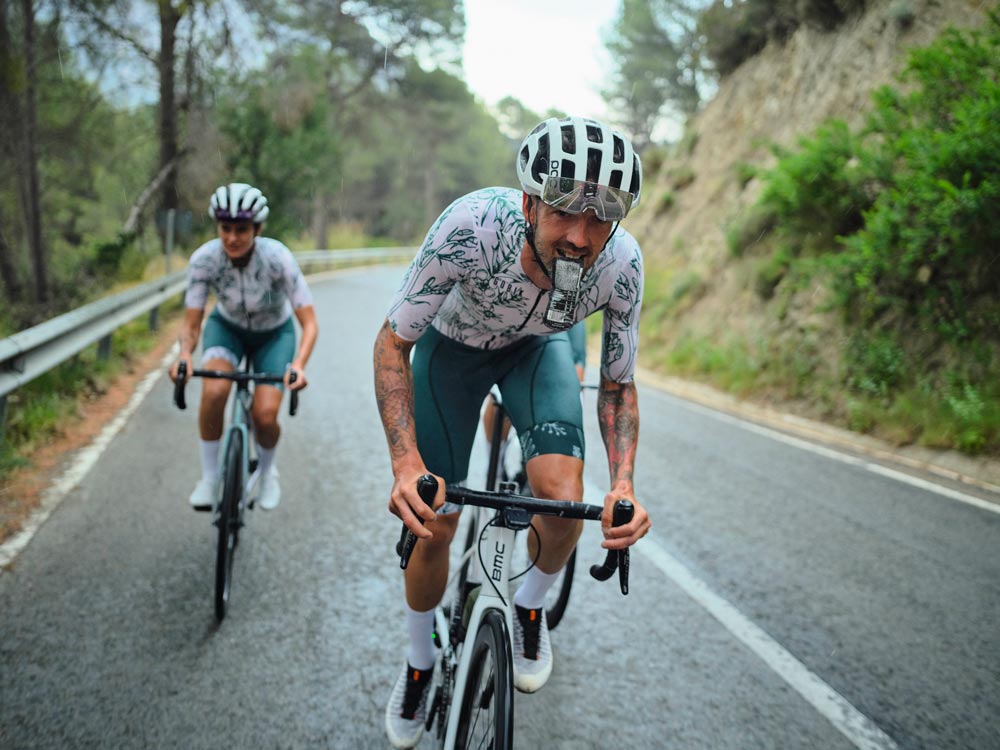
447	253
296	287
620	340
199	276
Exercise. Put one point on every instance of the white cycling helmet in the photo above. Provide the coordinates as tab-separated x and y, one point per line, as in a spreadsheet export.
575	163
238	201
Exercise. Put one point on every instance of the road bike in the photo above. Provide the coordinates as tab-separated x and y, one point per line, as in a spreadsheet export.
472	704
496	473
239	461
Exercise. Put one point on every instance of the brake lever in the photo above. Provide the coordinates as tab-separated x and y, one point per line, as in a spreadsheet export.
617	559
427	487
179	385
293	401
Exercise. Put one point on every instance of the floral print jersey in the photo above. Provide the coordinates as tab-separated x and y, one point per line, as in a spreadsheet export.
258	297
467	281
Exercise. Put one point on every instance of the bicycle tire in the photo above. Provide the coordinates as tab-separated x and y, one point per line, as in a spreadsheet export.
228	523
487	701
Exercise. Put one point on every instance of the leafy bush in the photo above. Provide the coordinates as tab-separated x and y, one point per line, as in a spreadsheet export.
749	229
666	202
928	244
820	188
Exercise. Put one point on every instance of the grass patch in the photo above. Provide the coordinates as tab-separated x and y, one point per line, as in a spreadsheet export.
39	410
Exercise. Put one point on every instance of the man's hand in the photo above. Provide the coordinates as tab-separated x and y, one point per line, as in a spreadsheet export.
406	503
621	537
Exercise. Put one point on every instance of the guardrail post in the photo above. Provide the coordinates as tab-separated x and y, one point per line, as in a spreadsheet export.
154	315
3	417
104	347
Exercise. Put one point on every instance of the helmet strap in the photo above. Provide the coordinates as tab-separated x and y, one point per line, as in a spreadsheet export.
529	235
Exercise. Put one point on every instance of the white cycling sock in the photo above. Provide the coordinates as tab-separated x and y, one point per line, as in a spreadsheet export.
209	450
420	652
265	459
531	594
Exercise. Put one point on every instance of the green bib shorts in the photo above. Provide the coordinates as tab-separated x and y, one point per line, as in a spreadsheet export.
268	351
537	380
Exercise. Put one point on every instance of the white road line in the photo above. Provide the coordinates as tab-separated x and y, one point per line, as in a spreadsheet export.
78	468
845	458
835	708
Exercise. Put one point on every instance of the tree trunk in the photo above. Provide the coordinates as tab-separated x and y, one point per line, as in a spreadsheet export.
321	219
30	194
10	125
169	18
8	271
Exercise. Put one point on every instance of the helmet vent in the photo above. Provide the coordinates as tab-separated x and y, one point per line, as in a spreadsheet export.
568	139
619	150
594	134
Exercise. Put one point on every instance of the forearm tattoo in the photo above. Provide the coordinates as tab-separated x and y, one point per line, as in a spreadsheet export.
394	392
618	415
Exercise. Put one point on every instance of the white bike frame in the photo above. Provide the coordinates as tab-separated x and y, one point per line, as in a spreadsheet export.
497	545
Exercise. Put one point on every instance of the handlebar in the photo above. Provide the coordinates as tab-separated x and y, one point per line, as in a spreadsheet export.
503	500
239	376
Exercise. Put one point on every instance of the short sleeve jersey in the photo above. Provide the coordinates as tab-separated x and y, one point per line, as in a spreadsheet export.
258	297
467	281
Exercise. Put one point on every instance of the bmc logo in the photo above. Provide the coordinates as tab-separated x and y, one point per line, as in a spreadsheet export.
497	572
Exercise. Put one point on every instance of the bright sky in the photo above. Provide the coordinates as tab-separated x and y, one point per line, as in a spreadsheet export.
545	53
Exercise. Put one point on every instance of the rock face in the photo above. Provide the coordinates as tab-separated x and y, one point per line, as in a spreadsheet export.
778	96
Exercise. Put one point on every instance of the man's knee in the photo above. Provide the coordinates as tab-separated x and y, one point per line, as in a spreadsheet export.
556	477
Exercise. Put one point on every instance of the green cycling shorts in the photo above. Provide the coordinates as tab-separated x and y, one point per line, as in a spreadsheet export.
268	351
537	381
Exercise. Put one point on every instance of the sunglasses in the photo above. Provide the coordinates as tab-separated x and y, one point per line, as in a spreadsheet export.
576	196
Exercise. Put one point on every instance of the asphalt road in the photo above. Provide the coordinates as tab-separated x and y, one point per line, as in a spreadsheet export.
783	599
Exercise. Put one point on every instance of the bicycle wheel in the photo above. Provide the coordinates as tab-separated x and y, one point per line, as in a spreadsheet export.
228	523
486	721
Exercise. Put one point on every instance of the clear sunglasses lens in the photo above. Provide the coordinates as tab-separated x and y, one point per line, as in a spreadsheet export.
576	196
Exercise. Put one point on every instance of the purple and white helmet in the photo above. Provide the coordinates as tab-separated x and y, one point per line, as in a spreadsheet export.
238	201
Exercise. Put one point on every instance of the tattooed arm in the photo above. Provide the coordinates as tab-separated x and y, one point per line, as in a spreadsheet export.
618	415
188	339
394	395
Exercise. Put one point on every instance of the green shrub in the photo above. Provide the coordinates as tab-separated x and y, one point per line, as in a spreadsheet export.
745	172
818	189
666	202
770	272
749	229
876	363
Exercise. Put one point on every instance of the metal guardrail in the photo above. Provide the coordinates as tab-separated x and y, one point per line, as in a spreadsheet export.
29	353
34	351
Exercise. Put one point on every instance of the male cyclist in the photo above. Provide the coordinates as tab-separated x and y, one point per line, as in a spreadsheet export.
258	285
500	277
